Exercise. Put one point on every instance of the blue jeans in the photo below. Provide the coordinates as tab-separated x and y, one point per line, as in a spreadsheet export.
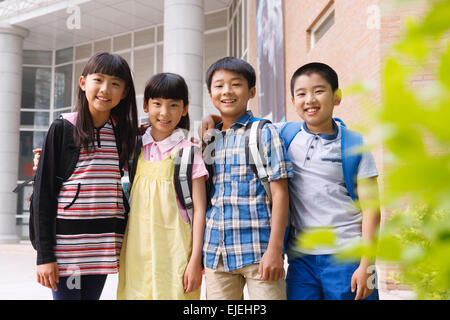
85	287
321	277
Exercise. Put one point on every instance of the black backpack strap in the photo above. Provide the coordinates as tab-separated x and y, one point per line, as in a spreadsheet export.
132	163
208	157
23	184
183	178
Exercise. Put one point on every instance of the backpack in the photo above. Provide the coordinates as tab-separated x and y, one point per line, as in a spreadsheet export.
184	160
253	156
350	140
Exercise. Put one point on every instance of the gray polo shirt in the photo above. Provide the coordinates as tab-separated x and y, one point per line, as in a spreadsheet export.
318	196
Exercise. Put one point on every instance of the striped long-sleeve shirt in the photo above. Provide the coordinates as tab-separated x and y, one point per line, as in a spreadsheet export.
90	217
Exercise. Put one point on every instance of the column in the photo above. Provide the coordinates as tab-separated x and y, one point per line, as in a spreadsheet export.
184	24
11	50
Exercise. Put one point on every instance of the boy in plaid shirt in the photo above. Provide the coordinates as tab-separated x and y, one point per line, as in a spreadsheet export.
244	230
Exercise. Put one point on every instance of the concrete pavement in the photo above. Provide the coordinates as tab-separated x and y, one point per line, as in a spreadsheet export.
18	278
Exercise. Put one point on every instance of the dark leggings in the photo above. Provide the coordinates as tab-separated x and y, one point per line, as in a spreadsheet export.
85	287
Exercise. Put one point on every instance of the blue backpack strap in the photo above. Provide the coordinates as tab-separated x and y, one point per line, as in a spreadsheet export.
351	141
287	134
289	131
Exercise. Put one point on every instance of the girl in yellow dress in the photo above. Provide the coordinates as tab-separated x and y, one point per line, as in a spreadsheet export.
162	248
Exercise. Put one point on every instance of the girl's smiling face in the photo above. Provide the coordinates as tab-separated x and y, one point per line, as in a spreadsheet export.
164	115
103	92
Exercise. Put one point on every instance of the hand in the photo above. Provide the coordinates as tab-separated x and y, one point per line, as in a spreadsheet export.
359	282
143	127
196	142
48	275
192	277
37	156
208	124
271	267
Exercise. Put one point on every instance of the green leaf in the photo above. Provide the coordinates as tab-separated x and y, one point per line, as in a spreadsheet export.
437	20
444	68
316	238
412	254
389	248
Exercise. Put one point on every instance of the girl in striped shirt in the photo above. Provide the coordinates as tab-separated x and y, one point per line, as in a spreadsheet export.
78	222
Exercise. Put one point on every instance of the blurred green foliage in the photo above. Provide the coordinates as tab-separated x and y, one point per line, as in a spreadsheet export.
414	121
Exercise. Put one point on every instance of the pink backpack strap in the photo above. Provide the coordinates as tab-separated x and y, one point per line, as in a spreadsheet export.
71	117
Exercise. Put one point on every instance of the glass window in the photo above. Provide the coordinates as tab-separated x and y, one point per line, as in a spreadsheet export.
244	26
78	71
64	55
29	140
143	68
235	38
102	45
63	86
324	27
160	32
122	42
23	207
239	31
83	51
216	20
144	37
34	119
230	39
36	83
127	57
160	59
215	47
37	57
56	114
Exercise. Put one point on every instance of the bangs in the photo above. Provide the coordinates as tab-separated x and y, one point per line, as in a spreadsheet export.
167	86
110	64
232	64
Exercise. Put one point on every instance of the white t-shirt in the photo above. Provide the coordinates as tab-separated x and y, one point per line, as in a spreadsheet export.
317	192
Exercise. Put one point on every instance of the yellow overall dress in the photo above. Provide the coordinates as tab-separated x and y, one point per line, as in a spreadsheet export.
157	243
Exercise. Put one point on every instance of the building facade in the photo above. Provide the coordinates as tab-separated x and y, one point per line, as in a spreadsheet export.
44	45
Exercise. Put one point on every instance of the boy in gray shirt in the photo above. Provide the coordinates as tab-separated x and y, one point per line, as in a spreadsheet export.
322	193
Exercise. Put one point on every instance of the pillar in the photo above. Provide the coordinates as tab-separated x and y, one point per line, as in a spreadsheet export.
11	51
184	25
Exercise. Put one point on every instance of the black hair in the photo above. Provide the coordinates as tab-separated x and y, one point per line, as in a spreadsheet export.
319	68
235	65
169	86
125	113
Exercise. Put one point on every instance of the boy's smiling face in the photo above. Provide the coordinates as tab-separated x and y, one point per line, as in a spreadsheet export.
314	102
230	93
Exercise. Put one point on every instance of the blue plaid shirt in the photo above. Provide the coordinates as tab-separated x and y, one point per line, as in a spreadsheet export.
238	221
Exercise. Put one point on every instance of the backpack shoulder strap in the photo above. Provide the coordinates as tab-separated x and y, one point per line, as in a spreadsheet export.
183	178
351	141
253	149
289	131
